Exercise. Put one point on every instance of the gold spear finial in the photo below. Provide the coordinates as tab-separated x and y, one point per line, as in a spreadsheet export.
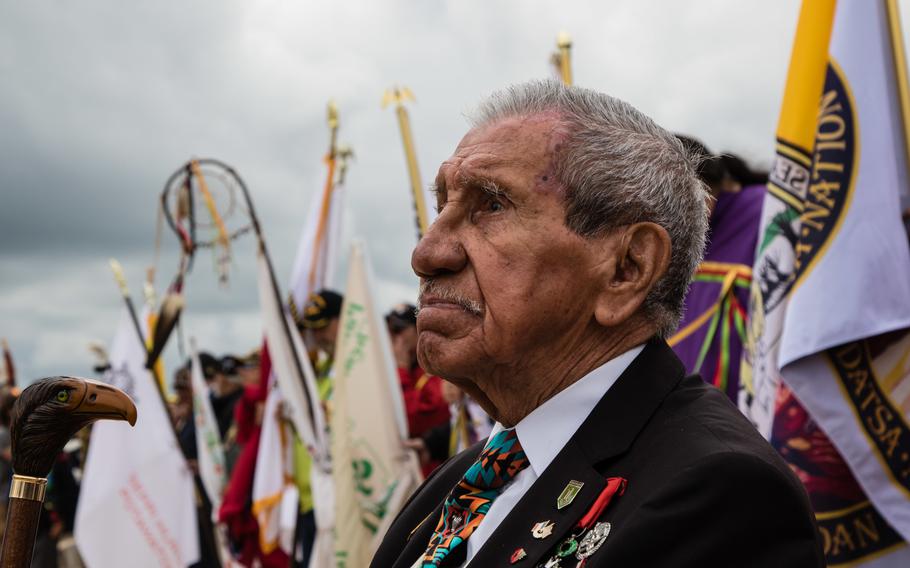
332	118
562	58
398	96
332	111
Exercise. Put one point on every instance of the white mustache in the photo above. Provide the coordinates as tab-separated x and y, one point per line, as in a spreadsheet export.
430	286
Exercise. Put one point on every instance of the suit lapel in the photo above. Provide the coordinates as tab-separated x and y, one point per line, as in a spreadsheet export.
606	433
620	415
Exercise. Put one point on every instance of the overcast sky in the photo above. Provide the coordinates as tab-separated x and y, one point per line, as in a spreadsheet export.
100	101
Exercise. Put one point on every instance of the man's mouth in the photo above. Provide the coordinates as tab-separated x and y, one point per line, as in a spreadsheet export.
432	295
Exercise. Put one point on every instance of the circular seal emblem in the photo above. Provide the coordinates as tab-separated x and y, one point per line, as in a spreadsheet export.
833	172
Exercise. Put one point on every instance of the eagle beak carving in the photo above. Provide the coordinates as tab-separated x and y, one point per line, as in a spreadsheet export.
104	401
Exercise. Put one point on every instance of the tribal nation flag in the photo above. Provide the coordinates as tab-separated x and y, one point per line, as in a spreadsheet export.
137	502
374	472
772	275
210	452
830	309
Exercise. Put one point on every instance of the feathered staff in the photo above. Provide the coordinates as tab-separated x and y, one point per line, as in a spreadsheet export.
178	208
209	174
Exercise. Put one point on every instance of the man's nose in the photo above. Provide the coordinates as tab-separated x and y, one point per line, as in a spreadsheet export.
439	251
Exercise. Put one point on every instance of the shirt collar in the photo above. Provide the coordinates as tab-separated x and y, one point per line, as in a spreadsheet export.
545	431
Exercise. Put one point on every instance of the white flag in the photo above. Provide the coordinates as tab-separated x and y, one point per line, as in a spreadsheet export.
830	310
374	472
137	502
210	452
314	266
290	365
317	250
273	477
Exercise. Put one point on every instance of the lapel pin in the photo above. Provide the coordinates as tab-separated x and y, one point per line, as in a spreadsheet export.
517	555
568	494
543	529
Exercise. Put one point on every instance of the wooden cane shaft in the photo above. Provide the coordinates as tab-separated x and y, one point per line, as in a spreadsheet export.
21	529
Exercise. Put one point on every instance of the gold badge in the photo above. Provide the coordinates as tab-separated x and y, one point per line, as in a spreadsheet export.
568	494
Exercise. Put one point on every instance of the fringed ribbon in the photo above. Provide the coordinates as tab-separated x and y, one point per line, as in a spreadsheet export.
726	315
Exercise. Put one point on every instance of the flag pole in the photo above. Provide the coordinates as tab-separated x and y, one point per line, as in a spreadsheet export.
900	69
117	269
398	96
321	227
564	56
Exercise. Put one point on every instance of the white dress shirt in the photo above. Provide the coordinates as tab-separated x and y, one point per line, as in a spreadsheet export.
544	432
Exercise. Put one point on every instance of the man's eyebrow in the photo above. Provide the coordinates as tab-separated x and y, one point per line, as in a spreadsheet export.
488	186
437	188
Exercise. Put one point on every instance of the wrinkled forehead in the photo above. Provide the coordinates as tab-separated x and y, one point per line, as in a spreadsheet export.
520	143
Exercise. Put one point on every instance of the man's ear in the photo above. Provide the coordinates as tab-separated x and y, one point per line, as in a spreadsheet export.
637	259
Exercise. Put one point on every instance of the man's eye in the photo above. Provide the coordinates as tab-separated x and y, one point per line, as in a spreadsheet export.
494	206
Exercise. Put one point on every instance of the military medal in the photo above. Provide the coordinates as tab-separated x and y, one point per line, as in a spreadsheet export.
592	540
588	535
568	494
517	555
543	529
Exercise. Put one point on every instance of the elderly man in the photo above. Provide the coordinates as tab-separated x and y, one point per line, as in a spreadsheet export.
569	227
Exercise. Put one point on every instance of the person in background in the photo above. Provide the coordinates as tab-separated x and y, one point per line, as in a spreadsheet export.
235	513
710	337
226	389
239	372
183	386
182	414
468	425
423	401
319	328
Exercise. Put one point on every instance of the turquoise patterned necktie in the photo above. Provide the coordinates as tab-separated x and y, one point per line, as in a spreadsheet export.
466	506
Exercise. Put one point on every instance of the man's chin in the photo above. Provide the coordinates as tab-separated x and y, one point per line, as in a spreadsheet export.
440	356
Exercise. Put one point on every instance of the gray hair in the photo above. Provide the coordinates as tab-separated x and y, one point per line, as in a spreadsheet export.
619	167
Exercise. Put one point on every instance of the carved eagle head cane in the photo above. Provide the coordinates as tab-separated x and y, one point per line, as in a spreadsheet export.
46	415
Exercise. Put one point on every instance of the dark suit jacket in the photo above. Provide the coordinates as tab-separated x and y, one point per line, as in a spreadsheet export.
704	489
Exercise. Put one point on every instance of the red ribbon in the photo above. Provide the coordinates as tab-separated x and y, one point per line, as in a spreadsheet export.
615	486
